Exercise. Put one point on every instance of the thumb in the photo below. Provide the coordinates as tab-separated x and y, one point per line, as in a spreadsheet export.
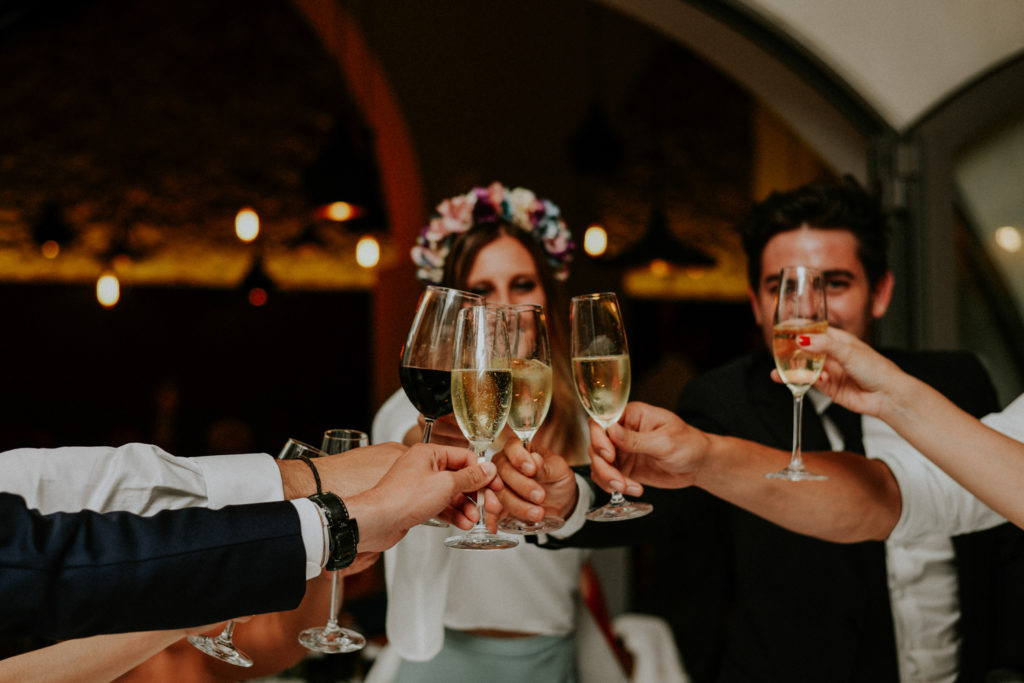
627	440
474	477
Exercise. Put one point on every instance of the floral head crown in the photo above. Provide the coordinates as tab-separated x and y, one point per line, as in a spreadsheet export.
519	206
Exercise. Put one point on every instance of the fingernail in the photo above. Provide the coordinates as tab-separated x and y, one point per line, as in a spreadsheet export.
615	485
803	340
537	496
488	467
537	514
633	490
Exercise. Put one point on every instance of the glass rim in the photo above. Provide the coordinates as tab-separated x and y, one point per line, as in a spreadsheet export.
316	452
595	295
440	288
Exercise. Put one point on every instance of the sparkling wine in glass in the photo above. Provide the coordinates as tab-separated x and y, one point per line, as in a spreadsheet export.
426	363
601	374
800	309
332	638
530	354
481	391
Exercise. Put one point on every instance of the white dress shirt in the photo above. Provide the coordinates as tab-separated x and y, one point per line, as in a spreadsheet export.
145	479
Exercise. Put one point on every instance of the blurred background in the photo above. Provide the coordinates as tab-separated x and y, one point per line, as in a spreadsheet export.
184	186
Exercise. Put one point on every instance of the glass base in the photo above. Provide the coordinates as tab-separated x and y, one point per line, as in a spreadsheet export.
618	512
221	649
480	540
332	641
792	474
524	528
435	522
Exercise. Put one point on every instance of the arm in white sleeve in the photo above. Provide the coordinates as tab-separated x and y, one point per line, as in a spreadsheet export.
578	517
933	503
138	478
314	535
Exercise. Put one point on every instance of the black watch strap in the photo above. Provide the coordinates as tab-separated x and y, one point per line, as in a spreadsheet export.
343	532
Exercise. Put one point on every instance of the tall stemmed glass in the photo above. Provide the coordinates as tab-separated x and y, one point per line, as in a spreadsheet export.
222	645
800	309
600	368
481	390
332	638
426	363
530	354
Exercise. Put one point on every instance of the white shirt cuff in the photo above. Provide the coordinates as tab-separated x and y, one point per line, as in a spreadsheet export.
240	479
578	517
314	535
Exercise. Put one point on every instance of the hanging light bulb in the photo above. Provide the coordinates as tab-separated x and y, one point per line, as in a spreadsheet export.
108	289
247	224
367	251
595	240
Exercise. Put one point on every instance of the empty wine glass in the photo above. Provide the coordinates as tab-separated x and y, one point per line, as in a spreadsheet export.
481	390
800	309
601	373
332	638
530	358
426	362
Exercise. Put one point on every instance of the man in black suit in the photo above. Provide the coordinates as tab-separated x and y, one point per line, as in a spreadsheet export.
67	575
749	600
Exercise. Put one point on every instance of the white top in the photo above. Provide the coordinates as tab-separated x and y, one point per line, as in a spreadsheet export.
145	479
430	586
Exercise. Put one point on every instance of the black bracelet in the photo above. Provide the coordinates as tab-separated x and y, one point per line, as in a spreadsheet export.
316	475
342	531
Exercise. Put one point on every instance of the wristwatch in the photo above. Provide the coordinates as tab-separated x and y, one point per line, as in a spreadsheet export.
342	531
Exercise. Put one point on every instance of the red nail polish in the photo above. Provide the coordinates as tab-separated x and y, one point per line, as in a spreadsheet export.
803	340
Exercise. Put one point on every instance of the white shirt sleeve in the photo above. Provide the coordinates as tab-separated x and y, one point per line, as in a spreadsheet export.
138	478
933	503
578	517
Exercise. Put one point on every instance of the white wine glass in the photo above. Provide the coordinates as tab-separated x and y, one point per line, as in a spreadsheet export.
426	362
530	359
601	374
332	638
800	309
481	391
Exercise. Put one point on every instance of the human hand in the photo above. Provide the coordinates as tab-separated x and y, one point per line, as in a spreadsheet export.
356	470
426	480
534	483
855	375
648	445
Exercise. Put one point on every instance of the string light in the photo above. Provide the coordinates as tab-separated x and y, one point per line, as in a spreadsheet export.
247	225
595	240
108	289
367	251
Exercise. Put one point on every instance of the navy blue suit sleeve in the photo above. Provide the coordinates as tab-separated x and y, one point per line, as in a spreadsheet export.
71	575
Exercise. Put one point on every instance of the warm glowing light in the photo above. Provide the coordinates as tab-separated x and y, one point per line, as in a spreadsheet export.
108	289
367	251
595	240
257	296
50	249
247	225
340	211
1009	239
660	268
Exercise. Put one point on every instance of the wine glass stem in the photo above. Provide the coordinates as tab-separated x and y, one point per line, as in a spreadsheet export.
336	589
796	462
480	525
427	429
228	633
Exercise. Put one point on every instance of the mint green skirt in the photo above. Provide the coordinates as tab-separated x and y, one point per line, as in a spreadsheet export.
472	658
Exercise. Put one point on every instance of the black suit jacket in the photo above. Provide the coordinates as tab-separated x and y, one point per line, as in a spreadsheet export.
71	575
751	601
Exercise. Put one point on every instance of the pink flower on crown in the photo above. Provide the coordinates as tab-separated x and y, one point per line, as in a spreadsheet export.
520	206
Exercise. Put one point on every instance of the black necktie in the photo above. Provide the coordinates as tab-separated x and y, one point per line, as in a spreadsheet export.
849	427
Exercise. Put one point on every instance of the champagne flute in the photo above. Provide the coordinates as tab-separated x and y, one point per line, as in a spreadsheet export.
530	358
426	361
481	390
600	368
332	638
800	309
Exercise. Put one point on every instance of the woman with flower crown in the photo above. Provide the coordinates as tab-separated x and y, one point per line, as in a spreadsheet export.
509	615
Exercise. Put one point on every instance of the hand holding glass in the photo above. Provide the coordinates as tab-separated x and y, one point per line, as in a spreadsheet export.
799	309
333	638
481	390
601	373
530	355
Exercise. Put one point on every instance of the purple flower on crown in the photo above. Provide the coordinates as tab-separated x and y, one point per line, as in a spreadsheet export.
540	217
